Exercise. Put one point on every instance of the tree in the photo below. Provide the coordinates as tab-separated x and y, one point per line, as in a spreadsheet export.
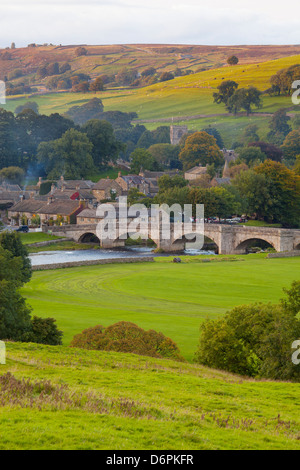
82	87
80	51
93	109
12	175
216	134
291	146
71	156
284	189
29	105
200	149
283	79
14	313
134	195
272	151
251	155
43	331
244	98
254	193
166	154
166	182
250	134
226	90
11	242
127	337
279	127
126	76
165	76
218	201
232	60
254	340
142	159
97	85
105	146
173	195
65	67
148	72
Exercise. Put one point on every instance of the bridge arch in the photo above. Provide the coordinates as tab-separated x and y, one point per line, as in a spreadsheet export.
208	239
256	241
88	237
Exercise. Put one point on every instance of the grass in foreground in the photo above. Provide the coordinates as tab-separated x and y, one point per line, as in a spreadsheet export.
165	296
101	400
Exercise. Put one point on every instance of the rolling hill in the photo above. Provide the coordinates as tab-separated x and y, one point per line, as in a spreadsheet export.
57	397
183	100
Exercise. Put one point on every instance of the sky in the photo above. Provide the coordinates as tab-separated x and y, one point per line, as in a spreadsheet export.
220	22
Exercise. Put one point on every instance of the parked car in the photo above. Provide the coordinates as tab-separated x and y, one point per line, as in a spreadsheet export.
23	229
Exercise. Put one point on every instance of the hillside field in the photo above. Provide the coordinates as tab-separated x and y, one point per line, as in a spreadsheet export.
168	297
62	398
185	100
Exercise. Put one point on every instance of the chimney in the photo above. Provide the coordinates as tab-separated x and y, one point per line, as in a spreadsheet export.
52	188
31	195
40	181
50	199
119	174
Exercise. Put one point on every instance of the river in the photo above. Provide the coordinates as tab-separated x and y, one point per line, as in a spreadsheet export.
53	257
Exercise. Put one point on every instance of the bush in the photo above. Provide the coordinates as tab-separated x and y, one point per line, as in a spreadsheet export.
127	337
254	340
43	331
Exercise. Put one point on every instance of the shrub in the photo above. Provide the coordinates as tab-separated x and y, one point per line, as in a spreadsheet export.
43	331
254	340
127	337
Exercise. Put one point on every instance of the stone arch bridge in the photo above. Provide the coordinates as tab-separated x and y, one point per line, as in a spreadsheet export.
230	239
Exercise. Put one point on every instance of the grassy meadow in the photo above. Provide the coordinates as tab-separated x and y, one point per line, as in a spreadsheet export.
165	296
63	398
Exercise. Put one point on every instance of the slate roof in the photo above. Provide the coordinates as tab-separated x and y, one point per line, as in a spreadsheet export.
29	205
61	207
106	184
73	184
197	170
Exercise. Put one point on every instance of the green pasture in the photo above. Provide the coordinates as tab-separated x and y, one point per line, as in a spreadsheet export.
36	237
105	400
165	296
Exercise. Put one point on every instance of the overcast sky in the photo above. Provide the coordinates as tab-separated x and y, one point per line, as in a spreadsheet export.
149	21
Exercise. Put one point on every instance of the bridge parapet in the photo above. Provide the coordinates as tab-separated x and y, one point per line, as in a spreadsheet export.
230	239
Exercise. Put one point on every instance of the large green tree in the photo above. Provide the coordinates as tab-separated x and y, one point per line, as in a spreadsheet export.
284	189
225	90
105	145
291	146
71	156
141	159
244	98
200	149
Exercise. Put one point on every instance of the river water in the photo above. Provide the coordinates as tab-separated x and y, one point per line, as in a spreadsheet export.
53	257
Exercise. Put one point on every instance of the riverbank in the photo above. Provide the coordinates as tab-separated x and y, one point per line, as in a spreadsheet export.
73	264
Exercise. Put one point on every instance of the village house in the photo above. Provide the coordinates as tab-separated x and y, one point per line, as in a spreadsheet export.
195	172
24	209
106	189
133	181
64	210
52	210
